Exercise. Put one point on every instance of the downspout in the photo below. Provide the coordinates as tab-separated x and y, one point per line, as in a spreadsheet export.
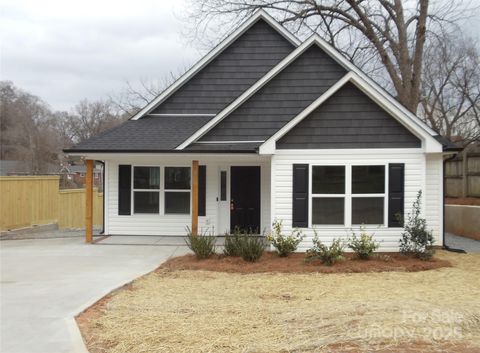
103	190
445	246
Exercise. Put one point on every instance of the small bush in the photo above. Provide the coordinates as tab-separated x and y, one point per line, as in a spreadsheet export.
328	255
417	240
251	247
202	245
284	244
248	246
364	246
233	243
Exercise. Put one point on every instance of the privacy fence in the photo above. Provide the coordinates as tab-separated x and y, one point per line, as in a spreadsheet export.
34	200
463	175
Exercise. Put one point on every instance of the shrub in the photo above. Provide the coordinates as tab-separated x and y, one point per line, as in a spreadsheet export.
284	244
233	243
245	244
328	255
202	245
251	247
417	240
364	246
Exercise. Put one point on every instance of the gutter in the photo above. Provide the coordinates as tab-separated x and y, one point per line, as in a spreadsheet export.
103	190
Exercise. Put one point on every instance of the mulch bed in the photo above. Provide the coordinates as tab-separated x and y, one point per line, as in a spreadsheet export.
271	262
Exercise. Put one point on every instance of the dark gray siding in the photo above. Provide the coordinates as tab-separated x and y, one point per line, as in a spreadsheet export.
240	65
348	119
281	99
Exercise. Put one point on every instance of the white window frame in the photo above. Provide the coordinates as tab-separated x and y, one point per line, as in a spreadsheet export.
132	205
164	190
348	196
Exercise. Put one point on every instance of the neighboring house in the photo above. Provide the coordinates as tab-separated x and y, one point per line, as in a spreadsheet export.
282	130
76	174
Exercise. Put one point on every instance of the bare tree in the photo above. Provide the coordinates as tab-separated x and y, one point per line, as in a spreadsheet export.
91	118
451	88
134	96
389	32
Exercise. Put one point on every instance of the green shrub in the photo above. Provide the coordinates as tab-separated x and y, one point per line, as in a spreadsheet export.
284	244
328	255
247	245
364	246
202	245
233	243
251	247
417	240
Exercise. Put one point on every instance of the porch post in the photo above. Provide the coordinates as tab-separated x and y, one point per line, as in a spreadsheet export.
195	197
89	202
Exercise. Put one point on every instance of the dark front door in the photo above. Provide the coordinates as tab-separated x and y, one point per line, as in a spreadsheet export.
245	198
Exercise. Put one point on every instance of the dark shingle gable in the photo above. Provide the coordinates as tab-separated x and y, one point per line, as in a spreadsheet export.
239	66
348	119
281	99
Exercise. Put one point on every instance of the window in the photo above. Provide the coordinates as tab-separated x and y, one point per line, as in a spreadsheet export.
177	190
368	194
146	189
357	192
328	195
223	185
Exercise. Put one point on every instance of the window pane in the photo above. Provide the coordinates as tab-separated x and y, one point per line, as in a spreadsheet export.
367	210
328	180
146	177
223	185
177	202
146	202
177	178
328	210
369	179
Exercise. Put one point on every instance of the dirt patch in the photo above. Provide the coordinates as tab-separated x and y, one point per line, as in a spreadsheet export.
471	201
204	311
270	262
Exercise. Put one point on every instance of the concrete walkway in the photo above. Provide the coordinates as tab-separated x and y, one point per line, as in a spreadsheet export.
463	243
46	282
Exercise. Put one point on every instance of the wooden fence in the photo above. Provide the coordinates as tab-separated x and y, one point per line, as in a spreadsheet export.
34	200
463	179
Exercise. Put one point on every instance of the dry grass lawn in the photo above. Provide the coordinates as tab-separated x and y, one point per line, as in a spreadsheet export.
201	311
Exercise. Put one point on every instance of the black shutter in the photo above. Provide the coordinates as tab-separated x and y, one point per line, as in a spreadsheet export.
300	196
124	189
396	190
202	190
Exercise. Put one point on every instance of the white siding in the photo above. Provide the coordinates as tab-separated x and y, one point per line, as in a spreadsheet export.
434	196
415	174
174	225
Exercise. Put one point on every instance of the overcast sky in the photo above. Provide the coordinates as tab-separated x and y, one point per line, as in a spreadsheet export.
67	50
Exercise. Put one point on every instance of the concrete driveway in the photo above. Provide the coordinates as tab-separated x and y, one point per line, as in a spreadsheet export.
46	282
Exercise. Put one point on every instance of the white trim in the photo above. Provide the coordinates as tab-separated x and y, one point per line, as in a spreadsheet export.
106	184
350	151
226	142
248	93
152	114
269	147
260	14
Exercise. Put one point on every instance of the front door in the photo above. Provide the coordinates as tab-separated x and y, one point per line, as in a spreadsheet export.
245	198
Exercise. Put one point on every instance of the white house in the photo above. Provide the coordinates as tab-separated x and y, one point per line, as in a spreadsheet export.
264	128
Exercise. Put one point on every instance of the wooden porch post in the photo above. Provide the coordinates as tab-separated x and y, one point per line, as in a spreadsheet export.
195	197
89	202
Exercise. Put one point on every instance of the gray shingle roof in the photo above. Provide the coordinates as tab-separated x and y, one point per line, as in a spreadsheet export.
149	134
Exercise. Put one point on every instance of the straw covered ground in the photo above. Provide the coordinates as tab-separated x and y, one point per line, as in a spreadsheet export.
202	311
